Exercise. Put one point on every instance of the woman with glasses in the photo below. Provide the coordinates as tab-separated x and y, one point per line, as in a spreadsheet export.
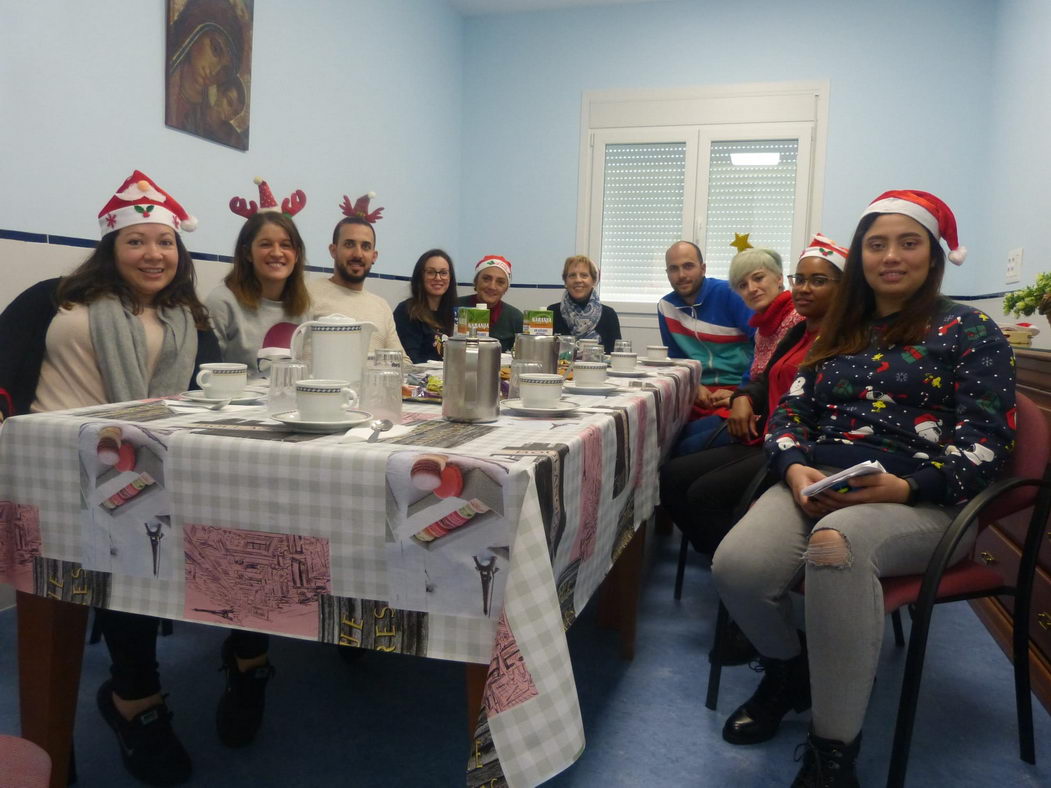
579	312
701	490
899	374
428	313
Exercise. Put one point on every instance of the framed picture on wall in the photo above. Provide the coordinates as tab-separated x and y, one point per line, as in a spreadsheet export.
208	72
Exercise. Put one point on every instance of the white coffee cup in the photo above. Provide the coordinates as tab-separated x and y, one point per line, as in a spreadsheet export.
222	380
540	389
657	352
324	400
589	374
622	362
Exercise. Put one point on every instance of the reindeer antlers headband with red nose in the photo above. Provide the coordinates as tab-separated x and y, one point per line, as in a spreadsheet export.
290	206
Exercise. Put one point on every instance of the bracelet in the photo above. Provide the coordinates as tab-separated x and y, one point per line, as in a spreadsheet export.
914	491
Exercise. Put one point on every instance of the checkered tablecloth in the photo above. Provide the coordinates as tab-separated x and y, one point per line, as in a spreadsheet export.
279	533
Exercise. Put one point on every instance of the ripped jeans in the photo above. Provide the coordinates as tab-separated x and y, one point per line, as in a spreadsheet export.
766	554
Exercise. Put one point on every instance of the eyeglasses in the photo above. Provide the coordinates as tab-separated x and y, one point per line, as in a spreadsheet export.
816	282
435	274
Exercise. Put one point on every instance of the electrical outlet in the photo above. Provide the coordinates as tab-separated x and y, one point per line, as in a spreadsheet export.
1014	266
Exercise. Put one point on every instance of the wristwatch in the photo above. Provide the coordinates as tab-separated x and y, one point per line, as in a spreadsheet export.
914	491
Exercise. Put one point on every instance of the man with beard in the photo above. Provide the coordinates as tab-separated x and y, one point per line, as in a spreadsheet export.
353	251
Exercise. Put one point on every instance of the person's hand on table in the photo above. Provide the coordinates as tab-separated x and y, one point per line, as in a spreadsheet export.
742	419
704	397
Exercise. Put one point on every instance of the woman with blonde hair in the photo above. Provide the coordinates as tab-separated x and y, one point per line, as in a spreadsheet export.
580	313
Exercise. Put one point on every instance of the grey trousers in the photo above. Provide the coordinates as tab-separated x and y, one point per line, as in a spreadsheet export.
765	555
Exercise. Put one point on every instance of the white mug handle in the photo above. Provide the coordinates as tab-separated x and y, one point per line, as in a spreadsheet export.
202	377
350	398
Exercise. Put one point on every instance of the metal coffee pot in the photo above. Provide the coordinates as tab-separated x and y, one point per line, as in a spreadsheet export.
530	347
470	391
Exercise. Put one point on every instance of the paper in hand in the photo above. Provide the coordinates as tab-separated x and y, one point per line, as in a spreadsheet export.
838	479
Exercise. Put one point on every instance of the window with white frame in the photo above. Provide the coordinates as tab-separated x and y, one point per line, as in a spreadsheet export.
702	165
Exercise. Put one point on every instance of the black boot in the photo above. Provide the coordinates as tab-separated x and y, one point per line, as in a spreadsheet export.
828	764
240	709
735	648
785	686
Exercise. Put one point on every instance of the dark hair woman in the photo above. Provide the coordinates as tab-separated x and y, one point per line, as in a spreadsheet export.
125	325
264	297
901	375
428	313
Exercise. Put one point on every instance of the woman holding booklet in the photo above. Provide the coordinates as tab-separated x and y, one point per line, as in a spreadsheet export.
900	375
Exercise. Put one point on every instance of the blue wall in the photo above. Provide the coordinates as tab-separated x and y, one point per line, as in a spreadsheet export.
909	83
469	128
346	98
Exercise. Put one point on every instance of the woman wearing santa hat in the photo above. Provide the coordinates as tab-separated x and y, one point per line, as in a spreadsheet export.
125	325
264	297
892	349
492	277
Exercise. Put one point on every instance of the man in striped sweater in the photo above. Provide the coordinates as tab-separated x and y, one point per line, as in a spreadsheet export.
703	319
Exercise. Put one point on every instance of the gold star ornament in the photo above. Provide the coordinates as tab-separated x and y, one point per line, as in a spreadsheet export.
741	242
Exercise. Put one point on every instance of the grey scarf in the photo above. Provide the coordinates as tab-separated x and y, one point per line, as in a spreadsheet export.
120	347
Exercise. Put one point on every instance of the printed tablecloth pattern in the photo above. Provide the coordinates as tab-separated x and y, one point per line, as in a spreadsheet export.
576	490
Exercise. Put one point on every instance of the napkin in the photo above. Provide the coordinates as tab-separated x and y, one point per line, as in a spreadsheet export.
359	434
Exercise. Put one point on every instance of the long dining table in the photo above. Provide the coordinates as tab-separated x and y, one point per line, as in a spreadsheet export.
478	543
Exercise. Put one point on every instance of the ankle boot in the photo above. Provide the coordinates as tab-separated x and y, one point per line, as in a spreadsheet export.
828	764
240	709
785	686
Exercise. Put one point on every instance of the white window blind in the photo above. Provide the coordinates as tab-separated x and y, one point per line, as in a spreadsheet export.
751	189
642	208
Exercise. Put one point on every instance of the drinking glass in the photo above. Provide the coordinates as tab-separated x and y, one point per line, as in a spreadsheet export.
387	358
381	392
622	346
517	368
284	373
592	353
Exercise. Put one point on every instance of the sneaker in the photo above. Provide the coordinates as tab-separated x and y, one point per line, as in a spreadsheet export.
151	751
240	710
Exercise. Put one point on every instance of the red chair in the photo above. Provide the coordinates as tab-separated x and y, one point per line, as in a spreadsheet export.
23	763
1026	483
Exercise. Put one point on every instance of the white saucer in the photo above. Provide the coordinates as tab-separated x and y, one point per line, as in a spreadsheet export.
627	373
602	388
564	406
246	397
292	419
657	362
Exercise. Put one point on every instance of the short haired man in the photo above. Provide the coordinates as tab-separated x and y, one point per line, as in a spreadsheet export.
703	319
353	251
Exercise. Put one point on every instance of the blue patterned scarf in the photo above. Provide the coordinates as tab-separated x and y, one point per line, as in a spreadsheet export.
581	319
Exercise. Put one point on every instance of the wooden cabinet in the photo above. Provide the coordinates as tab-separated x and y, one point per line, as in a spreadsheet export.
999	547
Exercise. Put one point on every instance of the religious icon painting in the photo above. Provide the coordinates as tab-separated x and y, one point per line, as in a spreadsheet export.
208	62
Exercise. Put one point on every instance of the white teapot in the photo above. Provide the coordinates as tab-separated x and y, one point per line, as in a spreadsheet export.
339	346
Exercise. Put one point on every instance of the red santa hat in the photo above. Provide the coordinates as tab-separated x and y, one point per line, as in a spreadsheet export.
926	209
290	206
493	261
360	208
826	249
141	201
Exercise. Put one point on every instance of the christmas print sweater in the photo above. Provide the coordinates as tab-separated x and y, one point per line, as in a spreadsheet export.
941	411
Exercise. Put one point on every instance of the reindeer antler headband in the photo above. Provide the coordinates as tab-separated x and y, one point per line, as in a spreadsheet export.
361	208
290	206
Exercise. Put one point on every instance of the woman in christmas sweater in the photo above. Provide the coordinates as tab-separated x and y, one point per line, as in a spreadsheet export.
900	375
757	276
264	297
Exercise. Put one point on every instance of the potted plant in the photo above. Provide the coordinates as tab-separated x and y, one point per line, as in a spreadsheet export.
1035	298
